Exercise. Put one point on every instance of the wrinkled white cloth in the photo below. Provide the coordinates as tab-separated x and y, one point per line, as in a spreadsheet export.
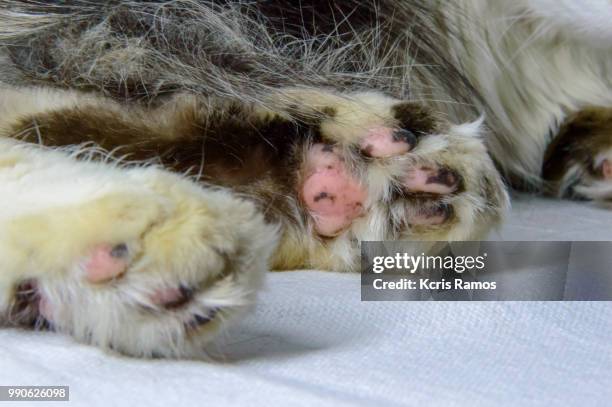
312	342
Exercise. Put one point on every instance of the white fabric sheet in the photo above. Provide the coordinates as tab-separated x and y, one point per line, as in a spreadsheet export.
312	342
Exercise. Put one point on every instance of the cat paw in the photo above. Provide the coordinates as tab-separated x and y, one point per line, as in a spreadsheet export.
155	270
597	185
578	162
398	173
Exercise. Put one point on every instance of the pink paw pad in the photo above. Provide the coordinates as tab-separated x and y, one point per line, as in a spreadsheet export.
171	298
106	262
381	142
333	197
606	169
431	180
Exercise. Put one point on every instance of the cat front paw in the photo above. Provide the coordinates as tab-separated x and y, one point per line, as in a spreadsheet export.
398	172
154	270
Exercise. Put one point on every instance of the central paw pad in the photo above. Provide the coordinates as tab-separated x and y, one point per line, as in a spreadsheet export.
332	195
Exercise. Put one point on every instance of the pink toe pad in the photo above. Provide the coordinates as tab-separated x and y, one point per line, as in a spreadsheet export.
166	296
431	180
387	142
104	264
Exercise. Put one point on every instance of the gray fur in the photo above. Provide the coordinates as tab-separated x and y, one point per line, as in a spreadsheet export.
237	49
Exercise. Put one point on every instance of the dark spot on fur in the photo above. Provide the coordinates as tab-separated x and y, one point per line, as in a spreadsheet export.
198	319
367	150
443	176
405	136
416	118
324	195
327	148
119	251
329	111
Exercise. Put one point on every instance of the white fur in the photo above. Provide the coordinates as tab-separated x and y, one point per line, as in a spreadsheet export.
588	20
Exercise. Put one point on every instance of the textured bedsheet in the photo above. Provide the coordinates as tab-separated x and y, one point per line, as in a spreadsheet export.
312	342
